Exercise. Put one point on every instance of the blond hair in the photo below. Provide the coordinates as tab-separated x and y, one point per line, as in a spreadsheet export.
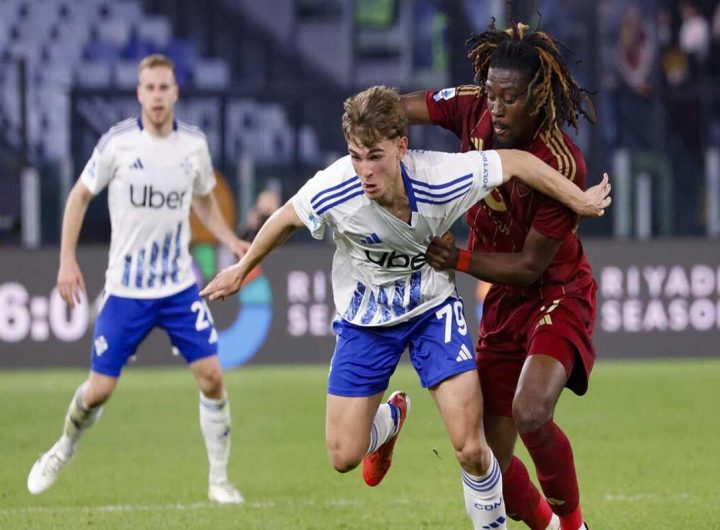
374	115
156	60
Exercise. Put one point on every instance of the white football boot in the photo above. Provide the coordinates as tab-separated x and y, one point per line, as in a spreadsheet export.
224	493
46	469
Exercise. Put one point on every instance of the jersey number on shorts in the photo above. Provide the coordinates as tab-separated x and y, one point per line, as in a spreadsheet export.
204	319
446	312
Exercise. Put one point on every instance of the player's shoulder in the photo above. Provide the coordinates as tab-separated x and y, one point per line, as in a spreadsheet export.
121	130
557	149
337	187
437	172
461	91
190	132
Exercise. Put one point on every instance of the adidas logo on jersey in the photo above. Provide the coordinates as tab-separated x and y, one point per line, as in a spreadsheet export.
372	239
464	354
101	345
137	164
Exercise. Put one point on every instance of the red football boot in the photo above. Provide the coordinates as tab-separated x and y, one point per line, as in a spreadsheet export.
376	465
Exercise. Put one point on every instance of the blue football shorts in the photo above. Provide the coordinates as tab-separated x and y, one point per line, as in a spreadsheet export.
365	358
123	323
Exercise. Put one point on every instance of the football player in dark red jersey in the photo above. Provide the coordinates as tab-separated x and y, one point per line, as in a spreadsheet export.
538	318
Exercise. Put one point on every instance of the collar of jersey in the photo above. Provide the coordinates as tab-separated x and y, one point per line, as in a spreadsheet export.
140	125
408	187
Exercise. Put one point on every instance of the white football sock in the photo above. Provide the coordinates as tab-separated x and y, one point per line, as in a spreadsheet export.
77	419
384	426
215	426
483	498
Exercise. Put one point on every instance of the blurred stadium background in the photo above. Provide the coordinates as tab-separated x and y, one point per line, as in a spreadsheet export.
265	80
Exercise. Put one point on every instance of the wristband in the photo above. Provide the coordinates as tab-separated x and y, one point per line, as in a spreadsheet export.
463	262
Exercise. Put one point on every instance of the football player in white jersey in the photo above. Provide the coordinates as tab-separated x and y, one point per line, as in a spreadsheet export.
384	203
156	169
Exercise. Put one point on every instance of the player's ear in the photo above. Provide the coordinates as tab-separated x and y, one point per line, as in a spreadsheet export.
402	146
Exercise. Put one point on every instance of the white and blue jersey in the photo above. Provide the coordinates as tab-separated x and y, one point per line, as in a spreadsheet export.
380	275
151	181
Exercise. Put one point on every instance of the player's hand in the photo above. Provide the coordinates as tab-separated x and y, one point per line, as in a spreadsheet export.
226	283
70	282
442	254
239	247
597	198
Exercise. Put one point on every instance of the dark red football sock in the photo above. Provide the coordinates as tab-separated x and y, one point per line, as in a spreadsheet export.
572	521
522	499
551	452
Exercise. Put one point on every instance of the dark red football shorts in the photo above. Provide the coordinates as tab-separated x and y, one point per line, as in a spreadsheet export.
521	322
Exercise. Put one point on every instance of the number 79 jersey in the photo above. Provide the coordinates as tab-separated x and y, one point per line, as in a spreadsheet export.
380	275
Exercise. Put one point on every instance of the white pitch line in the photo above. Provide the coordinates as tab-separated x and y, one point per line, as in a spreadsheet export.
333	503
130	507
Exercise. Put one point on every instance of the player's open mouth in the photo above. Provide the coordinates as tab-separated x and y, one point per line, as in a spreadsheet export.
369	188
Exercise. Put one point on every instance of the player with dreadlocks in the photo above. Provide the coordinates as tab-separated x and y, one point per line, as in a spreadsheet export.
538	317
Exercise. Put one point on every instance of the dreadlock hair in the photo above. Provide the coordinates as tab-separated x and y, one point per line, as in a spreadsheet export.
536	55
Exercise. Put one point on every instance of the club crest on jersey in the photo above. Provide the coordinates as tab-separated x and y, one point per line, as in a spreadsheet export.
445	93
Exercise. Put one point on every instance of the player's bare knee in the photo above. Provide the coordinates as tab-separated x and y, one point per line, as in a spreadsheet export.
529	416
474	455
211	383
342	462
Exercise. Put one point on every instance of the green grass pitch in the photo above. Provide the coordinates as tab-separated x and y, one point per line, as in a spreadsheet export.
646	442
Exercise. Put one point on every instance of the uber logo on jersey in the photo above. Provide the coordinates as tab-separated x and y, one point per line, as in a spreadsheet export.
396	260
149	197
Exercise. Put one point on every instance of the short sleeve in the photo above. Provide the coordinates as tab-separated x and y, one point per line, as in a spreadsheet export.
444	109
205	178
302	201
488	174
99	169
464	179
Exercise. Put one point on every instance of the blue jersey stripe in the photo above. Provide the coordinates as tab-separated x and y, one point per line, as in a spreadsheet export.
408	187
344	199
317	206
126	270
435	195
348	183
176	257
139	270
417	183
153	264
165	258
427	201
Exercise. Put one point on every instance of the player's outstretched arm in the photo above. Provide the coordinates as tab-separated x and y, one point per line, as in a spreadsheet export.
208	211
70	282
416	109
273	233
537	174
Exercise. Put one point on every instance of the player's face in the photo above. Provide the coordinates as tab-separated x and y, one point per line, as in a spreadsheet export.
510	108
157	93
378	167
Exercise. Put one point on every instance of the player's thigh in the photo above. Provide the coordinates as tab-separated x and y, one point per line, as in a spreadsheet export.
441	344
347	423
364	359
459	402
499	369
121	325
186	318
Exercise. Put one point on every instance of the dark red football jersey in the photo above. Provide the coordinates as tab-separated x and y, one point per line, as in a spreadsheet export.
502	220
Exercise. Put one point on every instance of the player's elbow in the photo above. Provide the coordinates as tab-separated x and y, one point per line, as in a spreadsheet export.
529	272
